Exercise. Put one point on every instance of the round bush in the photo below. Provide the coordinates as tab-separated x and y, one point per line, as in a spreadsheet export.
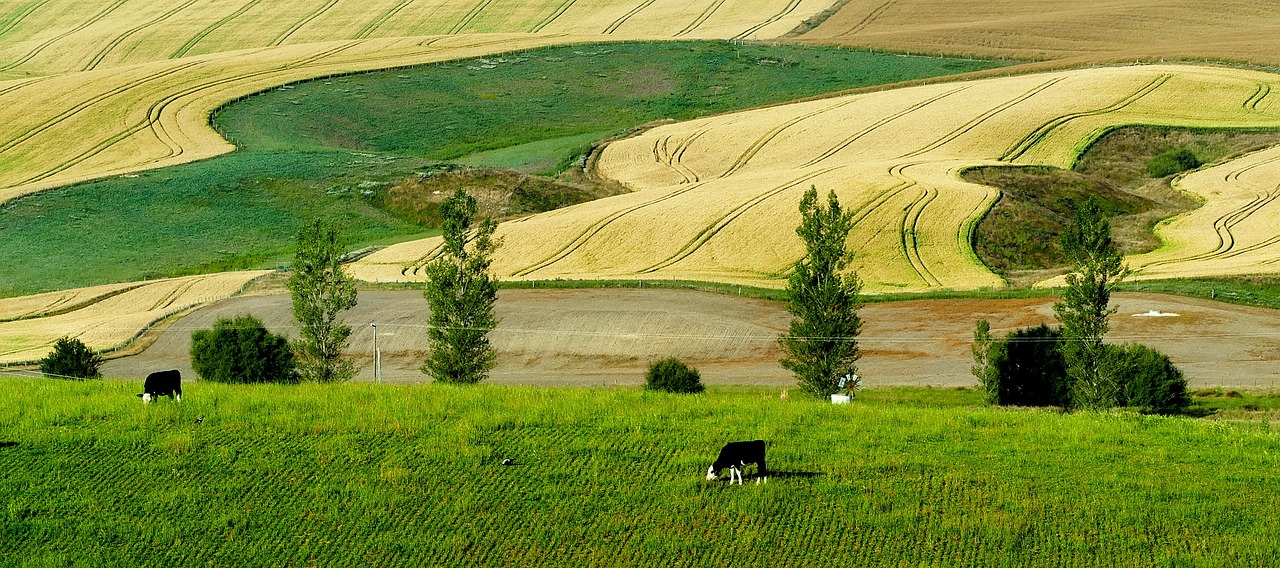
1171	162
1148	379
241	350
671	375
71	359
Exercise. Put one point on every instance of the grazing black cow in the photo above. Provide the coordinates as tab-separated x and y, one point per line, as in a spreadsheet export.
162	383
736	455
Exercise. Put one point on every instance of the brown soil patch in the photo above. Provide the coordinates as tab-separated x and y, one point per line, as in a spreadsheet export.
608	337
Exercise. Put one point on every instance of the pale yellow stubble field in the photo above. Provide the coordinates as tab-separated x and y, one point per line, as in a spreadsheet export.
60	36
716	197
105	317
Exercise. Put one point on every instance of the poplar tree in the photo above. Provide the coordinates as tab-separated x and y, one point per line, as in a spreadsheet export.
1097	266
321	291
821	345
461	295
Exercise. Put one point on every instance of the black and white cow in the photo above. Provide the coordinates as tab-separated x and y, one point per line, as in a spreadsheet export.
162	383
735	456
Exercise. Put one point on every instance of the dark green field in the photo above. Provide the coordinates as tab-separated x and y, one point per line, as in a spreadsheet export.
333	147
360	474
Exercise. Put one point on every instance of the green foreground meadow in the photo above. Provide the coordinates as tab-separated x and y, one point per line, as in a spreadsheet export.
361	474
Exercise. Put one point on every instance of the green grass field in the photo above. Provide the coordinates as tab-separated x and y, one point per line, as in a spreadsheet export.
330	146
360	474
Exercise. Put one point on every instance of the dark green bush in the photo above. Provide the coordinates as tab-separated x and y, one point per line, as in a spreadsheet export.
1025	368
1148	379
1171	162
71	358
241	350
672	375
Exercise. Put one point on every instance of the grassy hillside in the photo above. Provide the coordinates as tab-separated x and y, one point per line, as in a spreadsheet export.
340	146
368	474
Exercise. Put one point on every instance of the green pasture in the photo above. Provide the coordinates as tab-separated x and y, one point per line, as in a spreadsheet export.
329	147
361	474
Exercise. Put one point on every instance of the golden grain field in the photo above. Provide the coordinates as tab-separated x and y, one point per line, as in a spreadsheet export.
105	317
715	198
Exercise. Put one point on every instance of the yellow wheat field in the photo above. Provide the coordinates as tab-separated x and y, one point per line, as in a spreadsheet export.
59	36
104	317
716	197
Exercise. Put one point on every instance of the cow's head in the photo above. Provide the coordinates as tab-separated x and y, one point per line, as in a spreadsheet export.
711	473
146	397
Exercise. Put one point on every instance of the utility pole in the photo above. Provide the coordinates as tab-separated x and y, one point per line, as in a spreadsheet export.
377	355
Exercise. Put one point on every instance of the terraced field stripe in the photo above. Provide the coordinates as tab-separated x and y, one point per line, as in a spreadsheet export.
701	19
618	22
560	10
471	16
422	261
382	18
764	140
191	43
966	127
305	20
102	54
22	15
710	231
871	17
34	52
1251	104
790	7
1026	143
1222	226
595	228
67	304
877	124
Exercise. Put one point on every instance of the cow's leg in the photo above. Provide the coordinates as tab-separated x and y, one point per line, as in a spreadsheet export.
177	396
763	471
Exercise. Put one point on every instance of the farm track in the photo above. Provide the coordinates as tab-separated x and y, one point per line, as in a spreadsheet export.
102	54
23	16
701	19
470	16
773	133
1030	140
790	7
909	228
35	52
985	116
1251	104
871	17
611	28
876	125
196	39
559	11
382	18
280	39
663	154
710	231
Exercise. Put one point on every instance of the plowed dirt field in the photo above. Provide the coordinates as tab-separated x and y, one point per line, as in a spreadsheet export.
608	337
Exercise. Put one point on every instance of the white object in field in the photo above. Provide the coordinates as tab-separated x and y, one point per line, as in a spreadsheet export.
840	399
1156	314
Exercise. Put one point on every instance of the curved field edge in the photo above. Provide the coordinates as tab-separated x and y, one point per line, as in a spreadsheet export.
899	169
339	474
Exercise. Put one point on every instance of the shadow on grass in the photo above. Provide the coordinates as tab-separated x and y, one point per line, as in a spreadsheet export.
8	444
794	474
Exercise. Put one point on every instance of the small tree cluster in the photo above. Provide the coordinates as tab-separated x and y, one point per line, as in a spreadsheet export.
72	359
241	350
1171	162
672	375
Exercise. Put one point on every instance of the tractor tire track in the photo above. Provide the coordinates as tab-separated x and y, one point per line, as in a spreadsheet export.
382	18
175	293
23	16
102	54
871	17
710	231
306	20
560	10
470	17
791	7
156	109
191	43
26	83
1251	104
774	132
595	228
421	262
702	18
1027	142
907	235
672	157
966	127
39	48
879	123
618	22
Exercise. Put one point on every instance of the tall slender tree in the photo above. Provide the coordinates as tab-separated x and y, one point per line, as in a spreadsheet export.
461	294
821	345
321	291
1097	266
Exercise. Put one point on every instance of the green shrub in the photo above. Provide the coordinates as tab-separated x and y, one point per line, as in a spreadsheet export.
71	358
1171	162
1025	368
241	350
1148	379
672	375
